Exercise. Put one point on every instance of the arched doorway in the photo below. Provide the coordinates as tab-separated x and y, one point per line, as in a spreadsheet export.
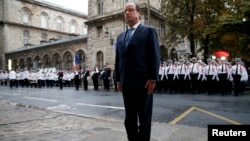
37	62
46	61
68	61
99	59
82	58
29	64
57	61
15	65
22	64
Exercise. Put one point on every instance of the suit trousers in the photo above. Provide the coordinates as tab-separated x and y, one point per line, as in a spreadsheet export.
138	114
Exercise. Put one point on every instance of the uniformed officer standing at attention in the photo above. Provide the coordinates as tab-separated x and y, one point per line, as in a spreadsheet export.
12	78
77	79
210	73
182	70
164	77
95	77
223	75
239	74
158	87
170	75
60	79
194	72
18	77
86	76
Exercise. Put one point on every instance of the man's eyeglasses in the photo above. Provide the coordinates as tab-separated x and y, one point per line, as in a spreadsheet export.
129	10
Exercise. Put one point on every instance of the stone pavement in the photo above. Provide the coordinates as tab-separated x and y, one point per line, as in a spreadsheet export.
20	122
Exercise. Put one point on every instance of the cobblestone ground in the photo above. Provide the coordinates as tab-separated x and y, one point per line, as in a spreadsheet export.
26	123
18	123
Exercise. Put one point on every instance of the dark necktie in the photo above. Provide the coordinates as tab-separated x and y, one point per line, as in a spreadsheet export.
192	69
169	68
222	68
128	36
208	69
237	67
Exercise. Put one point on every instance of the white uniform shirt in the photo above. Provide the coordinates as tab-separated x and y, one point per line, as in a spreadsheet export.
12	75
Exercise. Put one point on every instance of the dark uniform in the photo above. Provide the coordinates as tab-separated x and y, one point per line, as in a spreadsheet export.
77	79
60	79
95	77
194	72
85	79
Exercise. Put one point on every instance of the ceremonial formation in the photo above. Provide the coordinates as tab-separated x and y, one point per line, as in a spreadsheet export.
183	76
196	77
51	77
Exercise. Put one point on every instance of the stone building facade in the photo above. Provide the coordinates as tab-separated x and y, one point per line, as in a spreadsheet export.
37	34
106	22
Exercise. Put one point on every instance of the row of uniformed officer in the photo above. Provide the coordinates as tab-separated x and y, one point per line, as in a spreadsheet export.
197	77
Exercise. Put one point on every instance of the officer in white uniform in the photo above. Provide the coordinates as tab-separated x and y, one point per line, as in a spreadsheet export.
223	75
182	70
194	72
211	73
239	74
12	78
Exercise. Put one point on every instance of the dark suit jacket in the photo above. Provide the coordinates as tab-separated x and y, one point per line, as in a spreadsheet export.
140	61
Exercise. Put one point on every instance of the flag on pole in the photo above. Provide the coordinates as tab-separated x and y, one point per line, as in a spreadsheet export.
76	60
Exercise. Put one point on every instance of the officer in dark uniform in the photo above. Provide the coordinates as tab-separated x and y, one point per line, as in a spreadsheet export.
95	77
106	77
60	79
77	79
85	79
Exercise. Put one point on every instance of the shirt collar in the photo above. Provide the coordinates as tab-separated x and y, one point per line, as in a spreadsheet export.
135	26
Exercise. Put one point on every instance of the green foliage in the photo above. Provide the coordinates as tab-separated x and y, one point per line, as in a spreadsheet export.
214	24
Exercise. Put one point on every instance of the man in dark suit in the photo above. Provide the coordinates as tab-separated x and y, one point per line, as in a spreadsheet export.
137	65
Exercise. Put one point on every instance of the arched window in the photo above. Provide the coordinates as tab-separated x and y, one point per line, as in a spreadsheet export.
73	27
44	20
59	24
99	58
26	16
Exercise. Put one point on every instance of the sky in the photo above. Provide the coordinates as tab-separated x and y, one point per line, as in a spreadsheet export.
79	5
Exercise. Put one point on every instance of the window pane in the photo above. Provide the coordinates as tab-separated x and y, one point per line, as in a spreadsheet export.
73	28
59	24
43	21
26	37
25	17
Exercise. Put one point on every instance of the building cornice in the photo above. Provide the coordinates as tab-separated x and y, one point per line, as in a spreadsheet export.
119	13
56	7
31	27
44	45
